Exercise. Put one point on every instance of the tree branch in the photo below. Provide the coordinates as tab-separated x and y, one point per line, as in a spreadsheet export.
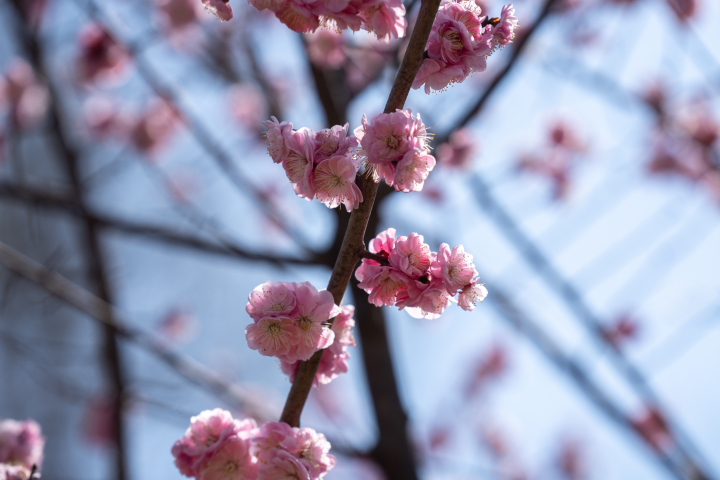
353	242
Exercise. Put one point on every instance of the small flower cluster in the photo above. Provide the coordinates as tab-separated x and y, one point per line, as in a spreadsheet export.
460	42
220	8
218	447
21	449
395	147
410	276
335	357
384	18
290	320
321	165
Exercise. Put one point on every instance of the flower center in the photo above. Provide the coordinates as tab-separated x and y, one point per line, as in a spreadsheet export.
210	440
392	142
230	467
274	329
454	38
304	323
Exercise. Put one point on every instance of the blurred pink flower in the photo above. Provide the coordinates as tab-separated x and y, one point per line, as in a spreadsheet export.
153	128
21	91
325	49
624	328
684	10
178	325
98	427
571	460
248	105
220	8
100	57
179	14
491	366
651	426
21	443
458	151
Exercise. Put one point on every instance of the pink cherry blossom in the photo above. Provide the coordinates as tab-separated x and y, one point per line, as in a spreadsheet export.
21	443
272	336
389	136
220	8
385	19
272	5
436	75
154	127
383	243
428	302
206	434
412	170
335	183
271	299
384	284
334	141
454	266
298	16
331	366
26	97
343	327
471	294
313	309
411	255
14	472
325	49
267	441
277	136
178	15
284	466
458	151
300	162
504	31
100	58
312	449
232	461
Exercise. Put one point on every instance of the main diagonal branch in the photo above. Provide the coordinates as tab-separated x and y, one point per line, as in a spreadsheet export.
353	243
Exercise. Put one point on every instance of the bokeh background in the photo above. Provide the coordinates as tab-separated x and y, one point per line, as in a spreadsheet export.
581	170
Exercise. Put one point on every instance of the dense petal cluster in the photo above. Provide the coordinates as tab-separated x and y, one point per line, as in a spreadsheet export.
416	279
21	448
218	447
385	18
335	357
321	164
290	320
460	42
395	147
220	8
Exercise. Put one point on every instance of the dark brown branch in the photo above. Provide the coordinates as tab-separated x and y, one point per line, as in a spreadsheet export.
353	242
374	256
225	247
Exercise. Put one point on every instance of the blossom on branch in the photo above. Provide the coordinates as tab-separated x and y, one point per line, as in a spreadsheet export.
220	8
321	165
460	42
21	449
385	18
290	320
416	279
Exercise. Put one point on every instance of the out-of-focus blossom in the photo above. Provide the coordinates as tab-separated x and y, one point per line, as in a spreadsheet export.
490	367
458	151
98	425
248	105
23	94
571	460
684	10
178	15
104	119
154	127
21	443
326	49
14	472
178	325
100	57
557	160
702	127
220	8
652	426
183	185
460	42
439	437
622	329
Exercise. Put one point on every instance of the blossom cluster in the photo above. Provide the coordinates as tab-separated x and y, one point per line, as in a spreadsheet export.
21	449
460	42
335	357
412	277
290	320
218	447
395	147
321	165
384	18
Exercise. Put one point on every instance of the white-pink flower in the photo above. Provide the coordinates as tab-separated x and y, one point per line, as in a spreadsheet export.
14	472
454	266
276	137
385	19
271	298
389	136
300	162
272	336
412	171
284	466
220	8
21	443
335	183
313	310
411	255
334	141
312	449
232	461
436	75
504	31
471	294
383	284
